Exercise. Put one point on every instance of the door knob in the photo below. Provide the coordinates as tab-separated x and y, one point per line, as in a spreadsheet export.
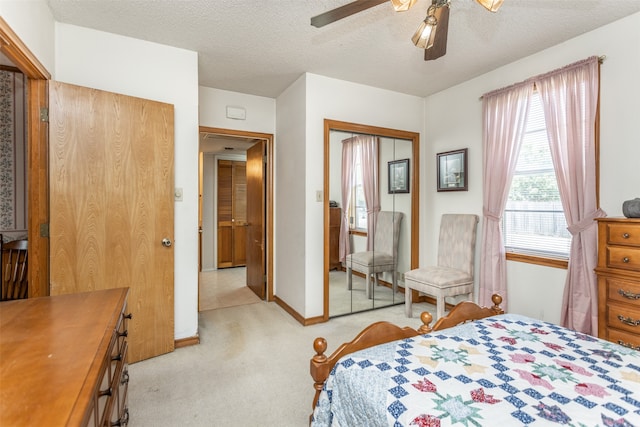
166	242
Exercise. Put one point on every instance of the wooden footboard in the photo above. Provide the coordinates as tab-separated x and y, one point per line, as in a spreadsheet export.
383	332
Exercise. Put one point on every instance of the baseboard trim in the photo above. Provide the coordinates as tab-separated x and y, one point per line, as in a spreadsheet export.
186	342
305	322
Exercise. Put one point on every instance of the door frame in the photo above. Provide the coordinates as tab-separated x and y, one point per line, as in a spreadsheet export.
37	157
268	138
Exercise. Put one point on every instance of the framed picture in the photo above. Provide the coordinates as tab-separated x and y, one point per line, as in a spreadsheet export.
452	170
399	176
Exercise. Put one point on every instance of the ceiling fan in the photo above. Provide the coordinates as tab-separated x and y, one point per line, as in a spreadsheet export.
431	35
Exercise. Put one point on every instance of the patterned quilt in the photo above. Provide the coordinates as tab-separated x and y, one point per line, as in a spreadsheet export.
505	370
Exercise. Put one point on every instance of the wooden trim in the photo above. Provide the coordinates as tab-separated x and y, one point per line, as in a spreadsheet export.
37	155
186	342
269	199
38	193
10	69
414	137
19	53
327	227
538	260
293	313
597	141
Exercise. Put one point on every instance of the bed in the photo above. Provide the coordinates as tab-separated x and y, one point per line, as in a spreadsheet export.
499	369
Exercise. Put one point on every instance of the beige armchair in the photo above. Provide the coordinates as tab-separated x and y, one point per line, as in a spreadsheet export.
383	257
454	273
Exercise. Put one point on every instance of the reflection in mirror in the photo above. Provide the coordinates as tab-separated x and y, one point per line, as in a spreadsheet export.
371	188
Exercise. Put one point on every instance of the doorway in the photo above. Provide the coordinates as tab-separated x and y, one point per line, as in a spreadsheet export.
38	77
218	286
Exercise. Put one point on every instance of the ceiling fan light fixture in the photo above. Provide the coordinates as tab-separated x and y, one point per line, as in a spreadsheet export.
491	5
425	35
402	5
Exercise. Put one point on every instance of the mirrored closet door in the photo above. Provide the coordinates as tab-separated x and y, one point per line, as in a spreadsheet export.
371	213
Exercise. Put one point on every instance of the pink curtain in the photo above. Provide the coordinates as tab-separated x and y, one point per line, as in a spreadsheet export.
366	147
504	119
348	155
369	162
569	99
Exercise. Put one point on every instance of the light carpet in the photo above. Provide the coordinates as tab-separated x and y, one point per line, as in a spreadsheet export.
250	369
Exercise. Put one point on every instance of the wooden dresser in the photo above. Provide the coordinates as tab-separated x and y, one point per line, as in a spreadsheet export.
63	360
618	275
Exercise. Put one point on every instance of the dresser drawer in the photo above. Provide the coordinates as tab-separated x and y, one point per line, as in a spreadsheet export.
624	338
627	258
623	234
120	387
624	291
623	317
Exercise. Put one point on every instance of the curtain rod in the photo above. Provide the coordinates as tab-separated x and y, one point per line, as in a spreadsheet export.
601	59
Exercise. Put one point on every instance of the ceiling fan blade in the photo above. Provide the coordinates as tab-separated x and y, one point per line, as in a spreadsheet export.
439	47
344	11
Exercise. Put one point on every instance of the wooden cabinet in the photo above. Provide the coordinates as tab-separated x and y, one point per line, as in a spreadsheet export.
334	238
64	360
618	275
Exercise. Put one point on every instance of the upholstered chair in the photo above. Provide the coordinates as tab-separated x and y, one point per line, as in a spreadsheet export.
454	273
383	257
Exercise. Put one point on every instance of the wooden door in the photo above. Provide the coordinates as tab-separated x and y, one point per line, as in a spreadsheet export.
232	213
111	201
256	271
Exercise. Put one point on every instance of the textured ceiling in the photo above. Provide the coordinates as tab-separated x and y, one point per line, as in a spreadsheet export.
260	47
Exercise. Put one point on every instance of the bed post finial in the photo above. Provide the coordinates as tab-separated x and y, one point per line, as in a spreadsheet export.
319	369
497	300
426	319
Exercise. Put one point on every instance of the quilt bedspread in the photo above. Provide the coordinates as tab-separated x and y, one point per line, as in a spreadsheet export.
505	370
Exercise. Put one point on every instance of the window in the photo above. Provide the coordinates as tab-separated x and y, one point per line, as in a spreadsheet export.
357	205
533	222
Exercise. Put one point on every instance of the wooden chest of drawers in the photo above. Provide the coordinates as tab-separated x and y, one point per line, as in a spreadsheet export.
63	360
618	275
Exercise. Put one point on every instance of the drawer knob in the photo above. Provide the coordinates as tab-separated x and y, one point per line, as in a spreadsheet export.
625	235
107	392
628	295
122	421
625	260
628	320
628	345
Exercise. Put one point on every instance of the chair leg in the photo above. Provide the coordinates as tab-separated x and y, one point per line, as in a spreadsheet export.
348	278
440	306
394	282
407	302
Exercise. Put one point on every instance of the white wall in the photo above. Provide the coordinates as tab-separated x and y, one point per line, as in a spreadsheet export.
300	216
261	111
33	22
138	68
453	120
290	205
208	212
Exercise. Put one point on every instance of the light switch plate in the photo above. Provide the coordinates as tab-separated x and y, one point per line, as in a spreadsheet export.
318	195
178	194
